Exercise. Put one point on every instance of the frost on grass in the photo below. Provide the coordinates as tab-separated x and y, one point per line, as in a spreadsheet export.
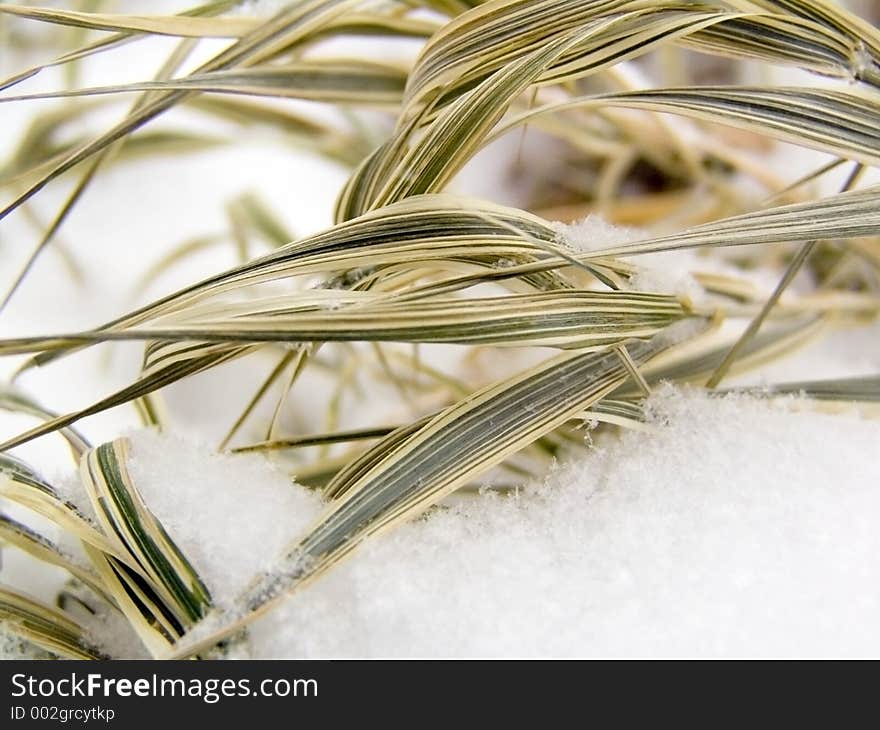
230	515
734	528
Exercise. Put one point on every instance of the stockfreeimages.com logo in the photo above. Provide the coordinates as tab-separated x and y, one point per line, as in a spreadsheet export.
208	690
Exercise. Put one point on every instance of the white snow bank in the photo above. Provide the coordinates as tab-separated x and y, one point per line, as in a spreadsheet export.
736	528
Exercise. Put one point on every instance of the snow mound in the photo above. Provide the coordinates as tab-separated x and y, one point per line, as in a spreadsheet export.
733	529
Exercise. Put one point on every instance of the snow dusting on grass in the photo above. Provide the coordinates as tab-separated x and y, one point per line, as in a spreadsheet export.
667	272
231	515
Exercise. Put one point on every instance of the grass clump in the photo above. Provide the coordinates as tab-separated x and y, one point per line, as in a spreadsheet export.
407	263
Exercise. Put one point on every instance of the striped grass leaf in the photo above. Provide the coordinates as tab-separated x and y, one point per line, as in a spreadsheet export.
289	25
292	24
846	215
418	469
482	41
849	215
568	319
14	401
838	20
110	42
399	169
167	368
13	532
191	26
405	165
321	439
411	230
842	123
861	389
136	567
122	512
854	214
626	413
394	172
785	40
337	81
694	361
199	24
23	486
44	626
429	230
152	621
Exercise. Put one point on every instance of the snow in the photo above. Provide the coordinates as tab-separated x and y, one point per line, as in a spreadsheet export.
733	529
594	233
231	515
668	272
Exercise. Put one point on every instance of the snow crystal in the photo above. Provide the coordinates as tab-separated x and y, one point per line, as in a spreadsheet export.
667	272
731	529
230	515
594	233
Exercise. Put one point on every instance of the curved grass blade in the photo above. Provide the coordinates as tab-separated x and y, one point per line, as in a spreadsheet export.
569	319
839	21
189	26
286	27
429	229
337	81
849	215
112	41
123	512
36	545
452	137
20	484
47	627
14	401
452	448
841	123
